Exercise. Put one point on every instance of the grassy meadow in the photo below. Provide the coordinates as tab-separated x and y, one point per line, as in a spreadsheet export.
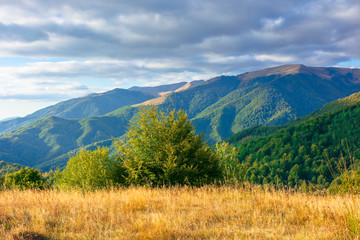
178	213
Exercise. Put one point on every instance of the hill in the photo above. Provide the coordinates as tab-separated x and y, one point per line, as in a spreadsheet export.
272	97
91	105
52	137
96	104
261	131
314	151
6	168
218	108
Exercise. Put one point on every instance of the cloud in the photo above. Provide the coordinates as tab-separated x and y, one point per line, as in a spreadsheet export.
34	89
274	58
20	33
155	42
66	79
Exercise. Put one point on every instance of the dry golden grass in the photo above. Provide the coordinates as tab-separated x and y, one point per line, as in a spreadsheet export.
179	213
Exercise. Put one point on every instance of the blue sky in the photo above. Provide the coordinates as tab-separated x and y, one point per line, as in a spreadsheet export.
55	50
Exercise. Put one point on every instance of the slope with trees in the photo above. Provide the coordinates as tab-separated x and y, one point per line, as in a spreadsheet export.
218	108
316	151
275	96
52	137
6	168
261	131
82	107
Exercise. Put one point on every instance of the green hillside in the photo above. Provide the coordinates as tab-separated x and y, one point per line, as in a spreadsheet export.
260	131
91	105
218	108
242	109
6	168
338	104
52	137
196	99
48	143
225	105
313	151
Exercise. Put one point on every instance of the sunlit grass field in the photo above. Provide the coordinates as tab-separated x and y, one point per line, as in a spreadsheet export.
178	213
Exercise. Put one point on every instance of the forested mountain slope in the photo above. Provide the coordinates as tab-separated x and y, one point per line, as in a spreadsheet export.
87	106
315	151
225	105
218	108
6	168
260	131
51	137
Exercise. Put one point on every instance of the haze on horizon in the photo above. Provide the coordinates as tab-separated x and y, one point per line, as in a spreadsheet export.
56	50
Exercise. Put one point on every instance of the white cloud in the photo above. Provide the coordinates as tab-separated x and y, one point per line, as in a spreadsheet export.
217	58
275	58
116	43
321	57
270	24
66	79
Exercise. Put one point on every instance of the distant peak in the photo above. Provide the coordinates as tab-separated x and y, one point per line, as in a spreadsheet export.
291	69
279	70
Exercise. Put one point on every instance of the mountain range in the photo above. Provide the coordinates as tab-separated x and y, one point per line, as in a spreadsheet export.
87	106
218	108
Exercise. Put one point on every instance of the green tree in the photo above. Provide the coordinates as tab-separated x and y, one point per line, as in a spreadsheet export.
2	181
25	178
232	170
90	170
163	149
294	175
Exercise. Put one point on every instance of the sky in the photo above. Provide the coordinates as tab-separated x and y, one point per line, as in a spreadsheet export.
54	50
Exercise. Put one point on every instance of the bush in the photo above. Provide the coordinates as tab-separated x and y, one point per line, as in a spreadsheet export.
347	182
25	178
164	150
89	170
2	181
233	171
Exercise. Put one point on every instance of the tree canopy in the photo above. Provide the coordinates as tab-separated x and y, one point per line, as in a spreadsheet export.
163	149
89	170
25	178
316	151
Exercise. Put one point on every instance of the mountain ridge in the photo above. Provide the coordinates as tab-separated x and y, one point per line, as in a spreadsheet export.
94	104
218	108
163	95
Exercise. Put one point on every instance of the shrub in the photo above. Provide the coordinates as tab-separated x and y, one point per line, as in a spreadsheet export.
347	182
2	181
233	171
25	178
89	170
164	150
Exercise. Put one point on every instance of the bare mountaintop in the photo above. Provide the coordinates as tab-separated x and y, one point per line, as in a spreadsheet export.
322	72
163	95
